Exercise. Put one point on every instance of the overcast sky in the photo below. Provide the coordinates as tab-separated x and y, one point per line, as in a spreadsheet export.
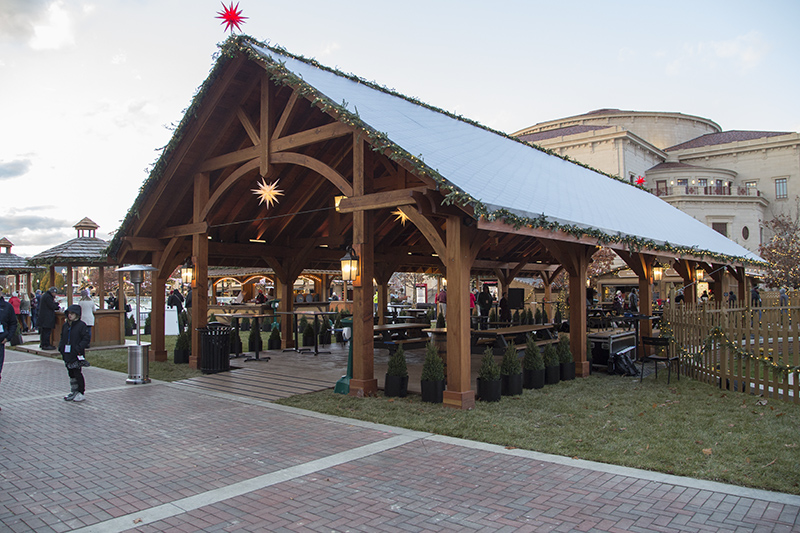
89	90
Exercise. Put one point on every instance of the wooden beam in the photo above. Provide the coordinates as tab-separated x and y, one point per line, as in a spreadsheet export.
232	158
380	200
264	156
288	111
317	166
431	233
229	182
184	230
323	133
248	126
144	244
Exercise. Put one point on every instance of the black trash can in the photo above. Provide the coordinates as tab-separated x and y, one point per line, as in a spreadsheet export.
215	344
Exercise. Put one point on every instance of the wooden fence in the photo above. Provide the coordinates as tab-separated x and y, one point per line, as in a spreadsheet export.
744	349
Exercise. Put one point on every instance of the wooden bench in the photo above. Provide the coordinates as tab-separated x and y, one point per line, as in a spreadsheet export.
419	342
538	343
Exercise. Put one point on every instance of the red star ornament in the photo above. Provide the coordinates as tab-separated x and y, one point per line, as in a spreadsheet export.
640	181
231	16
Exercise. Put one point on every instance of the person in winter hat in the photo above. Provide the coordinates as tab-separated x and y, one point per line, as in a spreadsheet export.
75	338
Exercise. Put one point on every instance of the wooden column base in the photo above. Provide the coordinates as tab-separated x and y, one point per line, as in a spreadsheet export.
459	400
160	355
194	362
582	368
363	387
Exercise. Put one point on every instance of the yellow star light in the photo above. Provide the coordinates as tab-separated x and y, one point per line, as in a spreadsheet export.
268	192
399	215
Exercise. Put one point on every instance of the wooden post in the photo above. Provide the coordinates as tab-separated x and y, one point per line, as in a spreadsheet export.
574	258
101	280
286	305
363	382
200	264
459	393
157	318
69	286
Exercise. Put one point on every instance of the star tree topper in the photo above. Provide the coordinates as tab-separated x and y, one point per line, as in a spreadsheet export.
267	193
231	16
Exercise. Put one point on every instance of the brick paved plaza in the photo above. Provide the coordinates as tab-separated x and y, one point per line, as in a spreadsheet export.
166	457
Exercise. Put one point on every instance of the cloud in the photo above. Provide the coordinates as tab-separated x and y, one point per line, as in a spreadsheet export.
55	32
14	169
742	53
17	220
18	17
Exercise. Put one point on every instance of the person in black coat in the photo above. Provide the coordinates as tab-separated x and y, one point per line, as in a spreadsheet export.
47	318
75	338
8	328
175	300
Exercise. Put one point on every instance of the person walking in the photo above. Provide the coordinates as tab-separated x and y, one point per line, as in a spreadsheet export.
441	301
633	301
47	318
25	311
15	303
35	302
485	301
75	338
8	328
88	307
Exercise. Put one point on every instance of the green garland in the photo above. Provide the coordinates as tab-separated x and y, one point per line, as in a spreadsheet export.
717	336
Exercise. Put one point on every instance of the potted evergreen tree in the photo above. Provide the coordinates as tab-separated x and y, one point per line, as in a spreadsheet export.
492	315
236	342
245	325
183	344
274	341
567	363
545	318
147	322
308	335
432	380
537	318
489	384
440	322
532	365
396	382
558	318
529	316
511	372
254	340
552	368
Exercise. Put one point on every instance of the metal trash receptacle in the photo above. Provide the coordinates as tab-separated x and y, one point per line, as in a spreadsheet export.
215	344
138	364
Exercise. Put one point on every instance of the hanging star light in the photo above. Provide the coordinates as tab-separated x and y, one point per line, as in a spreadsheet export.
231	16
399	215
267	193
640	180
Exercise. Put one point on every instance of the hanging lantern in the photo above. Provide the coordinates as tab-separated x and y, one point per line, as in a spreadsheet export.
349	265
658	273
187	272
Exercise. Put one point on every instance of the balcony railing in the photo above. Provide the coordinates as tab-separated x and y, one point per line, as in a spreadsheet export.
711	190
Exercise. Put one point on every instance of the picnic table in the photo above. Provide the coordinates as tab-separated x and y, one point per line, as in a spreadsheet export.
501	338
390	336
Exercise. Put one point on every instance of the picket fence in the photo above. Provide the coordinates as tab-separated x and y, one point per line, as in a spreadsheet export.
743	349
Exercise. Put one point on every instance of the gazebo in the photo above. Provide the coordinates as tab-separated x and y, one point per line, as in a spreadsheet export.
340	164
14	265
86	250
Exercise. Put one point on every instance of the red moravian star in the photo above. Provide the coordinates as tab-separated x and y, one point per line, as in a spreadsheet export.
640	181
231	16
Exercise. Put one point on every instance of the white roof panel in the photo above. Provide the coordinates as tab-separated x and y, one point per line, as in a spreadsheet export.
503	173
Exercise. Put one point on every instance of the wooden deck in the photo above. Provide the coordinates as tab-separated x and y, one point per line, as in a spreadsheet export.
257	382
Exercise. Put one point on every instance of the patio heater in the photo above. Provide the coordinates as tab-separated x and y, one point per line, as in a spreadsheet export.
138	362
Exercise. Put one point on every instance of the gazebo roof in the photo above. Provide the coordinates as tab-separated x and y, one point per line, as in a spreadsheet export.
486	174
81	250
12	263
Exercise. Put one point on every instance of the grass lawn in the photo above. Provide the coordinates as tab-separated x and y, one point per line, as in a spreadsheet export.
687	428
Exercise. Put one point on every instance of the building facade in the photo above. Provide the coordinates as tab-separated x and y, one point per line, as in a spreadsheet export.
732	181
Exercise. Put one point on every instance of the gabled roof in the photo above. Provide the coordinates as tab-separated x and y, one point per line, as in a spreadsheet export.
81	250
506	179
499	176
12	264
724	137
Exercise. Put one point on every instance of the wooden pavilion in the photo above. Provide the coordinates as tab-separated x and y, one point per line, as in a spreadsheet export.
341	162
14	265
87	250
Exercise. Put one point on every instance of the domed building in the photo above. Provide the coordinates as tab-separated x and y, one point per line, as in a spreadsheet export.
729	180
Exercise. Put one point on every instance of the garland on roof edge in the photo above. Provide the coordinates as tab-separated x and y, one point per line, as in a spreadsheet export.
380	142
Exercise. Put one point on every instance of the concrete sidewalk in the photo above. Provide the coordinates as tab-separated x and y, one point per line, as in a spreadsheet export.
164	457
